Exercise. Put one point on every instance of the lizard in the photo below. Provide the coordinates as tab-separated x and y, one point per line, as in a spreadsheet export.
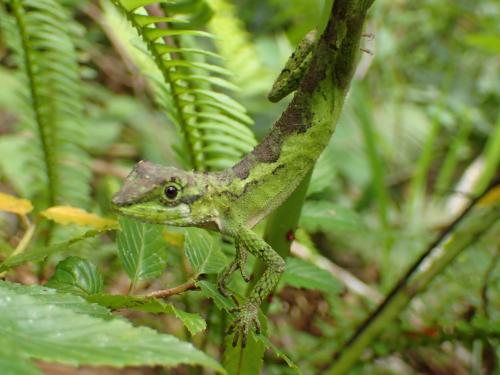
234	200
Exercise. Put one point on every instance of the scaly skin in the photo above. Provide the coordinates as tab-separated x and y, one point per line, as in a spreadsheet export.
234	200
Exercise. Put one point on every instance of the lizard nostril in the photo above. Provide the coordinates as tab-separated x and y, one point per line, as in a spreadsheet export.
120	201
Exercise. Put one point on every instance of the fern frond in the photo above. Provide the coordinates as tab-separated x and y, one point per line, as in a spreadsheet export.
235	45
213	126
53	114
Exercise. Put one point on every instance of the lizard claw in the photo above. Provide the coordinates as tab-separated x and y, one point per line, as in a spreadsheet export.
221	284
244	275
224	277
246	318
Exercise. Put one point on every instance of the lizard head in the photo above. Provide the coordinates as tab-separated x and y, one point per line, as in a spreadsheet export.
162	195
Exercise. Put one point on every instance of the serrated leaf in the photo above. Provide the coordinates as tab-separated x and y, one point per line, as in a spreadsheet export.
268	344
203	251
209	290
247	361
193	322
141	250
301	274
40	253
47	296
74	215
329	217
51	332
76	275
15	205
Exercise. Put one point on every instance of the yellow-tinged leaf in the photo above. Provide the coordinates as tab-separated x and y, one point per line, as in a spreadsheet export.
74	215
173	238
491	198
15	205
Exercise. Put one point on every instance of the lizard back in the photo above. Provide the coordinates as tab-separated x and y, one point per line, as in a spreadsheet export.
264	178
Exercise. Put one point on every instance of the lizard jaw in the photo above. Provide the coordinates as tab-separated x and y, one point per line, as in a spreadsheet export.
147	212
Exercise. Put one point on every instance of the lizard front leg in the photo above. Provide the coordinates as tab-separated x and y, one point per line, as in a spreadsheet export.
239	261
291	75
246	315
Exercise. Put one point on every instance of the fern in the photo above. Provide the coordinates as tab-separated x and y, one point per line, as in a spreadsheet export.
235	45
212	125
44	52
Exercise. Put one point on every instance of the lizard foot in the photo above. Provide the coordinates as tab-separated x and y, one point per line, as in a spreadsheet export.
224	277
246	318
241	260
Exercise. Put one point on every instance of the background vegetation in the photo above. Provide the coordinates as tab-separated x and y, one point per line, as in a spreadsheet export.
88	88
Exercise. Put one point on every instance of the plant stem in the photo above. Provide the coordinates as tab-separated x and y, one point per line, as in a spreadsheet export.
475	221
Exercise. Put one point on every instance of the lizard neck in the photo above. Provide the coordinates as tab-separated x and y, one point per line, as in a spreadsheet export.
264	178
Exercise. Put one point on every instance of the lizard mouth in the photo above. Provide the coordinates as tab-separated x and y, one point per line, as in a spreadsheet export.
150	212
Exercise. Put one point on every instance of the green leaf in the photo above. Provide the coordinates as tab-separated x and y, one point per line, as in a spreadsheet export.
268	344
47	296
76	275
301	274
486	41
134	4
40	253
154	34
13	364
328	217
141	250
209	290
52	110
51	332
247	361
203	251
193	322
184	77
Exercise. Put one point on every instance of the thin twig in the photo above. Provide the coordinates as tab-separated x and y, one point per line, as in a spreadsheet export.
165	293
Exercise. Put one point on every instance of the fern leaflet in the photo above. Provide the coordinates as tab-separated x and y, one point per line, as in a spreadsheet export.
213	126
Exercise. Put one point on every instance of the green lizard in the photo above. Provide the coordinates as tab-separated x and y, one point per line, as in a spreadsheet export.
234	200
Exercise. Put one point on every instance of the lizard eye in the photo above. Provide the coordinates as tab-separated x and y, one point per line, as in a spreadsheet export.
171	192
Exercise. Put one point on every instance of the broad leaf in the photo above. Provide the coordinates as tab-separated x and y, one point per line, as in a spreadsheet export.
209	290
73	215
40	253
141	250
302	274
76	275
13	364
247	361
51	332
269	345
328	217
203	251
193	322
47	296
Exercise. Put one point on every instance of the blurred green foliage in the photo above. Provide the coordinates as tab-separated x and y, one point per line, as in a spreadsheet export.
419	136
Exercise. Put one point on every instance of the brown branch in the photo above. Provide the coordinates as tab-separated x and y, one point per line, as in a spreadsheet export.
165	293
